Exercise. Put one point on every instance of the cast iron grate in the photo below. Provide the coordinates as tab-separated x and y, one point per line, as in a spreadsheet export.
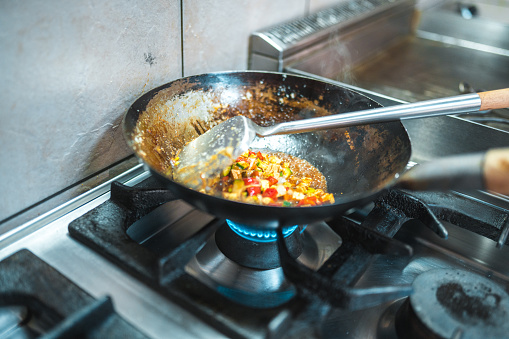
104	230
38	301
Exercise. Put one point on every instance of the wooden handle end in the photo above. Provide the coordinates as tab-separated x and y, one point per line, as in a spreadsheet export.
496	170
494	99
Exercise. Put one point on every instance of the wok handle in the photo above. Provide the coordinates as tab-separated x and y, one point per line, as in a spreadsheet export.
496	170
494	99
487	171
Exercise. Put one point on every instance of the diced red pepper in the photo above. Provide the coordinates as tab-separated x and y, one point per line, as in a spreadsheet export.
241	158
225	179
251	181
259	155
272	180
307	201
253	190
252	153
270	193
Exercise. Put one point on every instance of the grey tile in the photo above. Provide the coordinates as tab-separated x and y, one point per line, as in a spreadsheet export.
216	33
69	72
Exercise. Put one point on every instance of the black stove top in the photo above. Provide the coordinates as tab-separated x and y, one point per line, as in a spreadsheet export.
305	284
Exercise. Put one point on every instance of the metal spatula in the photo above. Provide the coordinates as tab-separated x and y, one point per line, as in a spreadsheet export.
216	149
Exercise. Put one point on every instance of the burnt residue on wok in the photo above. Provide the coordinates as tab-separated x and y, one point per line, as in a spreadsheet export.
172	119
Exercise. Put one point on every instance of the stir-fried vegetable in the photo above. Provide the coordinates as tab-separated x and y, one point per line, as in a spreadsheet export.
265	179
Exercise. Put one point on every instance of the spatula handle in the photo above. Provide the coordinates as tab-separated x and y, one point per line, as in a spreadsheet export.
494	99
465	103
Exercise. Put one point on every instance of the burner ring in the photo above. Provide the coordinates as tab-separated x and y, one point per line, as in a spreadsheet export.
254	250
448	302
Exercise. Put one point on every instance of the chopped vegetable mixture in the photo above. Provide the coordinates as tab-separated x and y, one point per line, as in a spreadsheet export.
266	179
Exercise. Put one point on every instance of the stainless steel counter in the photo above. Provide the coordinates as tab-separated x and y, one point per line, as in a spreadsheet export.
429	63
399	52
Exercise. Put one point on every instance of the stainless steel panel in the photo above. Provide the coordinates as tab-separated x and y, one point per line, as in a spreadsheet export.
297	40
446	21
417	69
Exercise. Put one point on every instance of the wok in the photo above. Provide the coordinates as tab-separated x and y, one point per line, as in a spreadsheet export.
357	162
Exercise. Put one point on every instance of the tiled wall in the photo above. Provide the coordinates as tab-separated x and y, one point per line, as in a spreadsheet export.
70	69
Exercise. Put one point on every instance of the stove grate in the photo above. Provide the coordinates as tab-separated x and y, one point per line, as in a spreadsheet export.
160	262
48	305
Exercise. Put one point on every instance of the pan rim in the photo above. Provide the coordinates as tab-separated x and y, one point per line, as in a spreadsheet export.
339	200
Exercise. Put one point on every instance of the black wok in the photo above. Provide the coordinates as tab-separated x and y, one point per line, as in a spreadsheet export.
358	162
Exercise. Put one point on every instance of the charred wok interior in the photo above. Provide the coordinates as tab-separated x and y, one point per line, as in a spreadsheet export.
357	161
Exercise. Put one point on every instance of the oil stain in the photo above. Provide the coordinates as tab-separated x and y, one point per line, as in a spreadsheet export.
149	58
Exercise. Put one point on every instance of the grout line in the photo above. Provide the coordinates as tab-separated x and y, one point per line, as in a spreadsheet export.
182	35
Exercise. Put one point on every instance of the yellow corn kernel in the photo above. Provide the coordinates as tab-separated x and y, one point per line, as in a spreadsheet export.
298	195
264	184
266	200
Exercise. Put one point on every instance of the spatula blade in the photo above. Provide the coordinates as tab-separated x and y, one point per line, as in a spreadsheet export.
205	157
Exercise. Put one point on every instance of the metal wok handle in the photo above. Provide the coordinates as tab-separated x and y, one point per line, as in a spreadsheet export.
489	171
451	105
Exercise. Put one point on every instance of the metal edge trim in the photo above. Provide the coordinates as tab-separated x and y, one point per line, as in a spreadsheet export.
59	211
462	43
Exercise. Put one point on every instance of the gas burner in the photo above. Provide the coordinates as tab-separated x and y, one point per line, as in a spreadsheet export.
255	248
454	304
248	271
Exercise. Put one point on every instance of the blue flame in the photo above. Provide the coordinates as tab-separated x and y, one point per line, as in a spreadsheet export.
259	235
